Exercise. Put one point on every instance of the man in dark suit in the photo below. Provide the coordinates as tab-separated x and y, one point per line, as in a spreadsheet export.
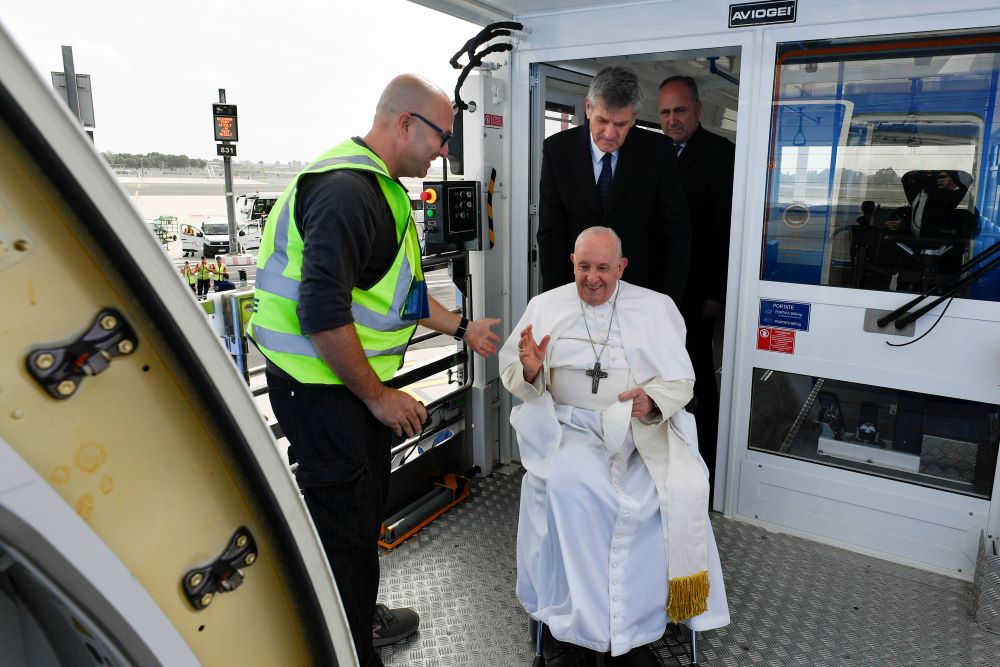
706	166
605	173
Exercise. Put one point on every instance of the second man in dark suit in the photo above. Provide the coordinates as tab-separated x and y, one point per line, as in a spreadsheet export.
608	173
706	166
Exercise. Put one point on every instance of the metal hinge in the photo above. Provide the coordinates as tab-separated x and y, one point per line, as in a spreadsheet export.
534	80
532	208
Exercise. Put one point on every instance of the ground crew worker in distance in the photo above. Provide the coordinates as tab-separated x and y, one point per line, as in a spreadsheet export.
204	271
339	294
189	274
218	270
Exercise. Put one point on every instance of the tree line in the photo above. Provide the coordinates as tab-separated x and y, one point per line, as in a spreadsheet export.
152	161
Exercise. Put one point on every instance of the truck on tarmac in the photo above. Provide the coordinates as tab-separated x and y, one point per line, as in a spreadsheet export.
256	206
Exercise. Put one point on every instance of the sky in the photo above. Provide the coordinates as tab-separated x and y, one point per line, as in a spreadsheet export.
304	76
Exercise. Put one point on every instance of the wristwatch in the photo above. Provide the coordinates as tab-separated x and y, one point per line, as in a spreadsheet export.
462	326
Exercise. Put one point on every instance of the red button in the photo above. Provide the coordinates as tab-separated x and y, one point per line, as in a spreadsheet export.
430	196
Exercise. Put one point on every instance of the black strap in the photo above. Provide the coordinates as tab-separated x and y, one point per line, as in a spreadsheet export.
462	326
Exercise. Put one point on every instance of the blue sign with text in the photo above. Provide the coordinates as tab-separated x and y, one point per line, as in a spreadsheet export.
784	314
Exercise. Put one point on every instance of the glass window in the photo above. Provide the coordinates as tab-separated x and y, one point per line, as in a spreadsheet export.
884	163
945	443
559	117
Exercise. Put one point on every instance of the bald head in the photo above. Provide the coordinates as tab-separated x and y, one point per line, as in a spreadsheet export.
601	235
408	92
413	121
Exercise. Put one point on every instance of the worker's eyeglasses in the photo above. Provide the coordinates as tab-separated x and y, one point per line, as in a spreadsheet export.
444	134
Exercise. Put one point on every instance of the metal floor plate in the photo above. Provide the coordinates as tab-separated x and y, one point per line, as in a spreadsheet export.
793	601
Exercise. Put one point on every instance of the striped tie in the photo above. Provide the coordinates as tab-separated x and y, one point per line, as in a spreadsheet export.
604	180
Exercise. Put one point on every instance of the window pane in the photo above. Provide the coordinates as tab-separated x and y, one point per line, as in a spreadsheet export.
884	163
944	443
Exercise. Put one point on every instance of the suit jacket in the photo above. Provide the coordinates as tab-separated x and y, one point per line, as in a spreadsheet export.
706	166
646	208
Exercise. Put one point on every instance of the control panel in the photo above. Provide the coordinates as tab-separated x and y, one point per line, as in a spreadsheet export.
452	216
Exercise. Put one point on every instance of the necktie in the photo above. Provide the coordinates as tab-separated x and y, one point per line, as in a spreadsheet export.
918	212
604	180
678	148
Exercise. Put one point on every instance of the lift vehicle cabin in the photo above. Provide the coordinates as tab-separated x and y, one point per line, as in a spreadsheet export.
830	428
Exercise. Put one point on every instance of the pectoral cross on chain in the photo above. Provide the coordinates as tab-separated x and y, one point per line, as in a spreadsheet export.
596	374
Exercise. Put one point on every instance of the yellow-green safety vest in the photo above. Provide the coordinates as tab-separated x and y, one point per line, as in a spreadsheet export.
204	271
384	335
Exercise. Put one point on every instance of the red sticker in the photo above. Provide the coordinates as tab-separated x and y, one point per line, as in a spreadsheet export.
492	120
776	340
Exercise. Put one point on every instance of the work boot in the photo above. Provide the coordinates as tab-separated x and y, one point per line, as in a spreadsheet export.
392	625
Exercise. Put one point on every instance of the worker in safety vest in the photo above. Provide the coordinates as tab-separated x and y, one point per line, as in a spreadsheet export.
204	271
189	273
218	270
339	293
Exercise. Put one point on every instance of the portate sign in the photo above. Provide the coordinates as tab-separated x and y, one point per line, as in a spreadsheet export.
762	13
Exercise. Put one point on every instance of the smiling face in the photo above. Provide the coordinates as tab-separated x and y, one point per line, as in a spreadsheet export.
609	128
597	267
423	142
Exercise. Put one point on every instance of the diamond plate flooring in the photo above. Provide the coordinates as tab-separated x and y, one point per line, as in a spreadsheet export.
793	601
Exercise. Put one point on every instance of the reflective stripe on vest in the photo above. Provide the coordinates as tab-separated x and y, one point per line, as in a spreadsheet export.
295	344
275	283
384	336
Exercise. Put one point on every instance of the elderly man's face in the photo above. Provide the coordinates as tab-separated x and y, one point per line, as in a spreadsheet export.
679	113
597	268
609	128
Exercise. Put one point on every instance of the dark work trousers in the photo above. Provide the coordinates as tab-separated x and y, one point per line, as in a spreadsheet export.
343	453
699	346
203	287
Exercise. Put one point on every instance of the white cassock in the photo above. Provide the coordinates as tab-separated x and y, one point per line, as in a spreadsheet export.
591	556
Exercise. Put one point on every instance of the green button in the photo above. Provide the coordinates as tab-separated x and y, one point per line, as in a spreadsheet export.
430	213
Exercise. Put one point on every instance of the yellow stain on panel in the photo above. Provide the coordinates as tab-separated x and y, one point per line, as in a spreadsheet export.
60	475
90	456
85	506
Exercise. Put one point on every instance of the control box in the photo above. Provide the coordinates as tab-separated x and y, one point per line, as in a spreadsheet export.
452	216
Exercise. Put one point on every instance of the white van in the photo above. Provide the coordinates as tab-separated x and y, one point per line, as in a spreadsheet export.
216	236
192	239
249	235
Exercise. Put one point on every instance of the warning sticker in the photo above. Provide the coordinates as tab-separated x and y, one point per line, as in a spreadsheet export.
492	120
776	340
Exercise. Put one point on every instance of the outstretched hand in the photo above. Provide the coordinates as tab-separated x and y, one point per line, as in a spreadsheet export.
642	404
480	337
531	354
